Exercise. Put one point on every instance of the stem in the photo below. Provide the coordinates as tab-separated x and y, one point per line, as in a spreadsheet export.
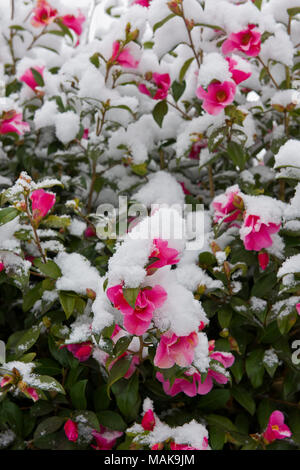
35	38
141	348
162	160
190	38
90	198
268	71
281	190
12	9
186	116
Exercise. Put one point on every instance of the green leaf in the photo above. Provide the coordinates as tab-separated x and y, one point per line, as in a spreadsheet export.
237	154
221	422
224	316
130	295
37	77
159	112
56	221
293	11
50	269
111	420
67	302
207	259
12	414
286	322
77	394
264	285
26	341
8	214
122	345
178	89
140	169
185	68
48	426
117	372
49	384
244	398
255	368
216	438
127	397
237	369
214	400
159	24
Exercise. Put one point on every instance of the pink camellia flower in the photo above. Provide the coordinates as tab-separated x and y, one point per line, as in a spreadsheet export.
6	380
29	79
196	149
11	121
247	41
148	421
105	439
143	3
298	308
44	14
31	393
263	259
89	232
81	351
123	56
74	22
276	428
158	446
217	96
162	82
42	202
192	385
173	349
71	430
229	203
256	234
166	256
1	267
137	319
237	75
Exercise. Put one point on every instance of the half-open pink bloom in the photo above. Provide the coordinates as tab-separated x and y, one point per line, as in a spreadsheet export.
71	430
44	14
148	421
237	75
227	204
138	319
11	121
162	82
276	428
298	308
29	79
143	3
196	149
255	234
123	56
247	41
166	256
173	349
263	259
1	267
74	22
217	96
105	439
191	385
81	351
31	393
42	202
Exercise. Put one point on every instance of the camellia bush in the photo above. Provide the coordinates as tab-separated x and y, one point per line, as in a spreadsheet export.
126	321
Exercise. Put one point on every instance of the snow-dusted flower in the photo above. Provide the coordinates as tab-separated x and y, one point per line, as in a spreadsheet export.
173	349
237	75
29	79
81	351
74	22
148	421
105	439
276	428
162	82
256	234
123	56
247	41
228	204
42	203
163	255
137	319
44	14
217	96
11	121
